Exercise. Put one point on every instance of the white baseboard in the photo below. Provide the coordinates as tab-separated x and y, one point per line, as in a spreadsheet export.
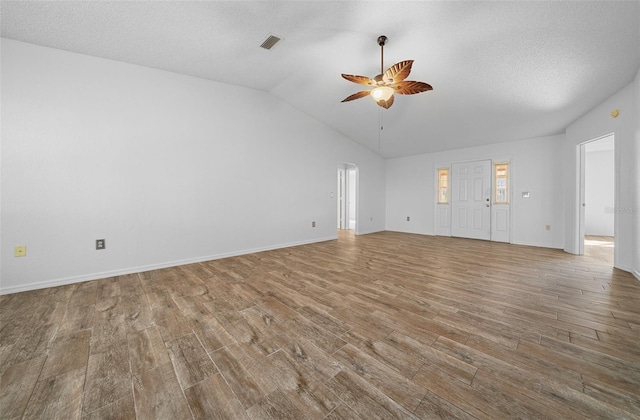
633	272
366	232
539	245
411	232
141	269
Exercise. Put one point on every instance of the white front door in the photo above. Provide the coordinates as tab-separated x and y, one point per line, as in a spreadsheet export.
471	199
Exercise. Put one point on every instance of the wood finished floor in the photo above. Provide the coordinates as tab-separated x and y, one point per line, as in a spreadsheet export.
387	325
599	247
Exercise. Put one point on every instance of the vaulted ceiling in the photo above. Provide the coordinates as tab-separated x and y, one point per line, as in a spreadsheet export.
500	71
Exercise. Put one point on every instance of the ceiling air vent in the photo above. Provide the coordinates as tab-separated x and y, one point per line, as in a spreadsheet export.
270	42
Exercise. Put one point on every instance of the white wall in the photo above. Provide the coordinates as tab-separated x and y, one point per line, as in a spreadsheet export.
599	199
633	148
169	169
535	167
626	128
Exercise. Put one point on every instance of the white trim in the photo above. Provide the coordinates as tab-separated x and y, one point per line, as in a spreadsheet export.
508	159
539	245
346	166
582	175
417	233
141	269
633	272
581	151
368	232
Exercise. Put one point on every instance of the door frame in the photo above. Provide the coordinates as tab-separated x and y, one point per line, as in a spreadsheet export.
472	204
342	173
581	154
445	210
344	193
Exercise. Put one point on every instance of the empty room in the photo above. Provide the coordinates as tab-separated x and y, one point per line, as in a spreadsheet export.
319	209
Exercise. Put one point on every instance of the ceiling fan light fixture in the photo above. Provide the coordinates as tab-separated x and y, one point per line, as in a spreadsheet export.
382	93
387	82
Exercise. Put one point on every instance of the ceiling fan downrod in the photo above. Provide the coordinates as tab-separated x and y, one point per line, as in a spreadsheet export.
381	41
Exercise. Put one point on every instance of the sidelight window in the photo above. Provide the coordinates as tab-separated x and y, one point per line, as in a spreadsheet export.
501	188
443	186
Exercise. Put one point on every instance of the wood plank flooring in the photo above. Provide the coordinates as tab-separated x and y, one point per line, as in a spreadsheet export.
599	247
387	325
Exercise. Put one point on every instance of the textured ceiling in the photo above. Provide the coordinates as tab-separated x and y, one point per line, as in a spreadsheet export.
500	70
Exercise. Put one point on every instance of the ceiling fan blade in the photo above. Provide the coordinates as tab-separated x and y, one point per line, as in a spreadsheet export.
357	95
398	72
386	104
410	87
361	80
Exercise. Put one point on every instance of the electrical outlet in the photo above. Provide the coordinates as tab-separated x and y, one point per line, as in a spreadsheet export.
100	244
408	219
20	251
313	224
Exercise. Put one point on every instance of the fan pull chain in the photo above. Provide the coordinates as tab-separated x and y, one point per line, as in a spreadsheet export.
381	128
381	42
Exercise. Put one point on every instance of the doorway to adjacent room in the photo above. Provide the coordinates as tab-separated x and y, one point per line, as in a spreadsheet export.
347	196
597	198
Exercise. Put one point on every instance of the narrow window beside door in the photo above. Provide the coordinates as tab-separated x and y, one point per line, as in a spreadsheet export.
443	186
502	183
